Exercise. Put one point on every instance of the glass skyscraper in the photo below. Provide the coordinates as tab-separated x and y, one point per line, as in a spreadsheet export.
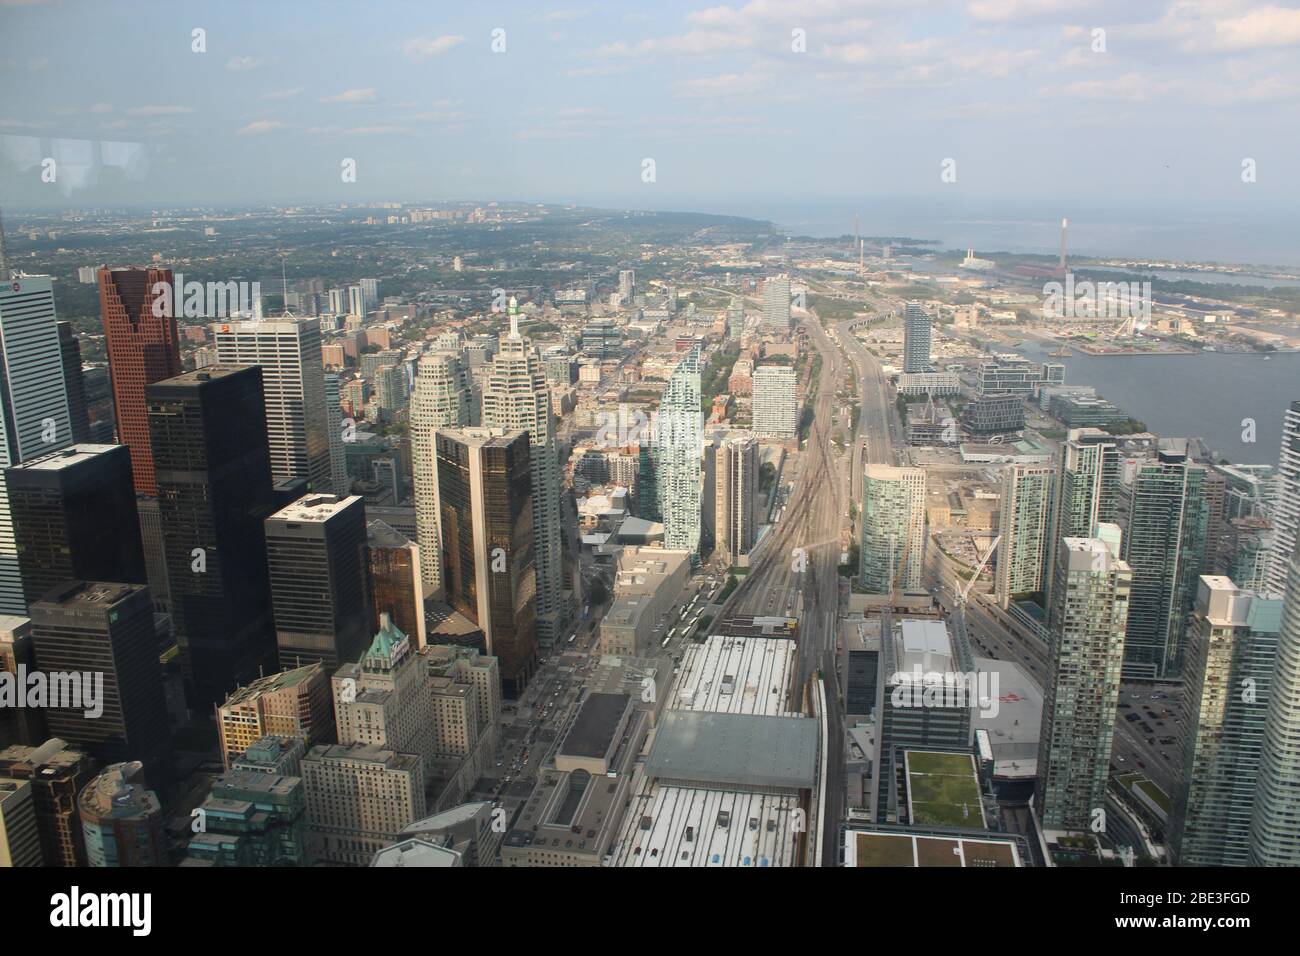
678	445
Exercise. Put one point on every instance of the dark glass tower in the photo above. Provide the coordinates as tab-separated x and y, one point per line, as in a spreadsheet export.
78	411
320	580
486	530
208	429
75	518
87	628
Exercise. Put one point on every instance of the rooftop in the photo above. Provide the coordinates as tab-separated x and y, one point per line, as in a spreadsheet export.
593	730
943	790
738	675
888	848
735	750
314	508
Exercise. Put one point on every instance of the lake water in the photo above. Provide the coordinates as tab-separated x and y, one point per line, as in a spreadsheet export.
1204	395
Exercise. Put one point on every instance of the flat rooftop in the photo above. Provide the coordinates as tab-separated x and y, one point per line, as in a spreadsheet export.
924	645
885	848
594	728
314	507
736	675
943	790
65	458
735	750
1013	729
681	826
749	625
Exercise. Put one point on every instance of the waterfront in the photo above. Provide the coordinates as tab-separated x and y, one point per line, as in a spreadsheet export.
1203	395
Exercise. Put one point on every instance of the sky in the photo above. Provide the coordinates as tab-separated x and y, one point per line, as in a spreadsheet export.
742	107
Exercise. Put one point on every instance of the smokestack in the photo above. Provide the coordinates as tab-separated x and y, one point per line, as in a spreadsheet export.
1065	225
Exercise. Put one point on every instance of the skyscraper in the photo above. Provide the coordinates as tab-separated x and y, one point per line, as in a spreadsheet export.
58	773
735	494
1285	513
85	628
893	528
339	480
485	522
33	401
121	819
1085	491
20	842
516	397
320	580
293	385
74	517
1086	623
678	444
214	488
396	585
74	383
776	302
143	347
1026	495
1274	833
916	338
441	399
775	404
1232	644
1167	520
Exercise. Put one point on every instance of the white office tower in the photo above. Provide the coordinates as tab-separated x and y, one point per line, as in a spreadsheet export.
1026	493
440	400
1232	640
678	443
775	403
1275	821
33	401
626	285
339	479
517	398
338	301
1086	629
776	302
1285	513
293	388
358	304
916	338
893	528
736	464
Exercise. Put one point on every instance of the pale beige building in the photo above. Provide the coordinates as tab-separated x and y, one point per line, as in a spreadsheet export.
359	798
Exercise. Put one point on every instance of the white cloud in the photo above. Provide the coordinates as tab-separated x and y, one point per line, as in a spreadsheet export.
259	126
417	48
1264	27
159	110
240	64
725	84
364	95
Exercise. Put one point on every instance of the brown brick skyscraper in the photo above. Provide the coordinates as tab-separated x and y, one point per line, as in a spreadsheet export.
142	349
